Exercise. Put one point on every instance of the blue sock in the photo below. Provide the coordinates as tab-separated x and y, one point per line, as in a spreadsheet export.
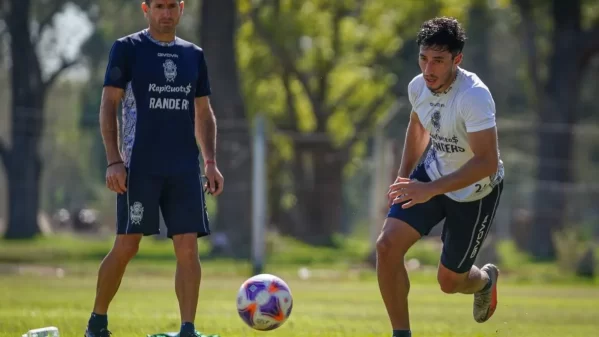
97	322
187	328
402	333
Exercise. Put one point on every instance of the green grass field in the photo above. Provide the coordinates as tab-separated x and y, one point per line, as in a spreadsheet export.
334	302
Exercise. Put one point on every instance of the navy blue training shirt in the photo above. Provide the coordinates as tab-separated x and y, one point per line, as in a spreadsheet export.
160	81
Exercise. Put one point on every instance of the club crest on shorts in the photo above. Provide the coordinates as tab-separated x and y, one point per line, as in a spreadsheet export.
170	70
436	120
137	213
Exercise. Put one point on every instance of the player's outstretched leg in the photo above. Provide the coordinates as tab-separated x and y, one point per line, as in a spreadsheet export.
110	275
485	301
393	243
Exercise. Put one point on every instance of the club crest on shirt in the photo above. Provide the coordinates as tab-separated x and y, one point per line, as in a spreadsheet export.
137	213
436	120
170	70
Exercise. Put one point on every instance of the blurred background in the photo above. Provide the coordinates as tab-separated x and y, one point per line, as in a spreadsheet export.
329	79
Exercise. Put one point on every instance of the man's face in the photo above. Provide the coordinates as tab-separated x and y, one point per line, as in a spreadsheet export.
163	15
438	67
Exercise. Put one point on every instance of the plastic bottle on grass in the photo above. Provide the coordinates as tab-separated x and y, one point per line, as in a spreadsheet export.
49	331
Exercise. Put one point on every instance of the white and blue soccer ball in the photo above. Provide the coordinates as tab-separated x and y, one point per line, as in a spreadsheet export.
264	302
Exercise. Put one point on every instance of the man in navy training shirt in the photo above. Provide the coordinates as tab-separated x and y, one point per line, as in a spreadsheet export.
460	180
163	86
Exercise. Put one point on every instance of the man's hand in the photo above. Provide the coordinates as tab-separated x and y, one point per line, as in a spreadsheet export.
391	190
413	191
216	181
116	177
483	164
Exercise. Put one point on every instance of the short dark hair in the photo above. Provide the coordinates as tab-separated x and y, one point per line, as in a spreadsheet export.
148	2
443	33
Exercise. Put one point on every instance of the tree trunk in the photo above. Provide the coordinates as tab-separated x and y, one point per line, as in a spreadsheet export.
316	216
24	172
478	58
218	27
293	220
327	197
24	168
558	109
318	187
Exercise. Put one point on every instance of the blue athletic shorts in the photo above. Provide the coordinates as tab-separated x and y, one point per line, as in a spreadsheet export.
180	198
466	223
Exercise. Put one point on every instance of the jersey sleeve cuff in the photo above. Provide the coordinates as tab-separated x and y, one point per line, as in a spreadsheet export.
480	127
202	94
116	85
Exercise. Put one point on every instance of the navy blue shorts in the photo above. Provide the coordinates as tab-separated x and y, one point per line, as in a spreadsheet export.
180	198
466	223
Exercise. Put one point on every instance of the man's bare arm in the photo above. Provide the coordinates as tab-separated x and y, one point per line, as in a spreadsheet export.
111	97
416	140
205	127
484	163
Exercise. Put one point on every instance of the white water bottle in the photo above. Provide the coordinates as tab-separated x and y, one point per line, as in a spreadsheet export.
49	331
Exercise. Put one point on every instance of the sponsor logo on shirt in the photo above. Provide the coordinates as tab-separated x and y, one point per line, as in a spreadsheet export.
160	89
168	55
168	103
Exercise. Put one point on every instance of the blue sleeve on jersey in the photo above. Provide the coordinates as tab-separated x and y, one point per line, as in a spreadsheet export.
118	72
203	85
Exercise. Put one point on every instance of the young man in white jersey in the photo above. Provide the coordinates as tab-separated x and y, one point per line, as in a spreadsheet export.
460	181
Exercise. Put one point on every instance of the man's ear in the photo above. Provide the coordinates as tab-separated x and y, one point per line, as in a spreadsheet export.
458	59
182	6
144	7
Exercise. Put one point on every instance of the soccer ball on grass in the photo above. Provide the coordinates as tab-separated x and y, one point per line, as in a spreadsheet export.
264	302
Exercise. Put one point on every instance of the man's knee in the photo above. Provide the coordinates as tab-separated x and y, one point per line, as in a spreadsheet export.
126	246
186	247
395	239
450	281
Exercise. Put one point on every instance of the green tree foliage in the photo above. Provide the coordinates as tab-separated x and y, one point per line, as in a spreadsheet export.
324	71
